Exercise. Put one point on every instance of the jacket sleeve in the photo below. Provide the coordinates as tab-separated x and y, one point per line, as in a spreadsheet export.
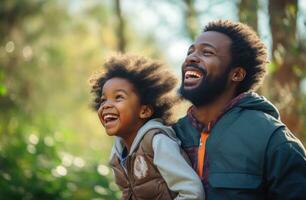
285	167
175	170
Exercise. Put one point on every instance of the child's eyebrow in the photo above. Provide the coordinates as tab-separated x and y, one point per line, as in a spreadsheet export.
117	90
121	90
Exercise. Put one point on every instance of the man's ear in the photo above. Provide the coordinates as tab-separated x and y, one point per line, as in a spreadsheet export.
145	112
238	74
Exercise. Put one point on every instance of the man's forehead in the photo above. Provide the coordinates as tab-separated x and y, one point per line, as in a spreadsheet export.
213	38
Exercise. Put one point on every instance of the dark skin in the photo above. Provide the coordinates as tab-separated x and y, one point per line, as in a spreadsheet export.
211	50
121	112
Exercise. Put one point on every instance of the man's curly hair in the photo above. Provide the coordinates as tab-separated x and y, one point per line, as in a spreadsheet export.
152	82
247	51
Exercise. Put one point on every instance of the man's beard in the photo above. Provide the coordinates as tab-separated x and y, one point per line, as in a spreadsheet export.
208	90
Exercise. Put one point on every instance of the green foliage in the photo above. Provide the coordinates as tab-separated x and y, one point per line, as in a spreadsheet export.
52	145
272	67
3	89
44	113
34	166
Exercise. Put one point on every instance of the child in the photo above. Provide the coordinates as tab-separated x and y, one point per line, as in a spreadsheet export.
130	96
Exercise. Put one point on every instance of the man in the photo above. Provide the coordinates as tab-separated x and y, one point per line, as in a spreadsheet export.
235	138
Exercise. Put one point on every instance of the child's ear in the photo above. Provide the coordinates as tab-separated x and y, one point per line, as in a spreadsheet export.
145	112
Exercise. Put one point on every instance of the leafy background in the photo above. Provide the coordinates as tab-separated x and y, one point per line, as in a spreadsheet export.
51	143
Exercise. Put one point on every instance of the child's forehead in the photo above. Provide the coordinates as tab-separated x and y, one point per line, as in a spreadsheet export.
118	84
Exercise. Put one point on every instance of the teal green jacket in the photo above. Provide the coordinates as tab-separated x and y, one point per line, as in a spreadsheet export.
250	154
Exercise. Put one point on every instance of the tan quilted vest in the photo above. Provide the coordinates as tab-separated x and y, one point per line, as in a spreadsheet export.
142	180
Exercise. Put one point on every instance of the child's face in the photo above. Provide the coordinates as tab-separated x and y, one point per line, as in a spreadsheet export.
120	111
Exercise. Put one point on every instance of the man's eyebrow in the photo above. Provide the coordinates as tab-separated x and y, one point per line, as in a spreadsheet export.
208	44
191	46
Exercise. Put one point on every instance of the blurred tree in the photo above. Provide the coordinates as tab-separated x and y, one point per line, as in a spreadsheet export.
288	63
248	12
191	21
37	68
120	27
51	145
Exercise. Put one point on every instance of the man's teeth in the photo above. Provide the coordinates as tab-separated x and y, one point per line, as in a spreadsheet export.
192	74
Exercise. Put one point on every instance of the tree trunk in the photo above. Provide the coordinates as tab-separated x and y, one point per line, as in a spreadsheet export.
248	12
191	19
287	95
120	27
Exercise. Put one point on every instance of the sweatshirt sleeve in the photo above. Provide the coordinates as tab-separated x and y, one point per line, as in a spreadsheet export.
179	176
286	167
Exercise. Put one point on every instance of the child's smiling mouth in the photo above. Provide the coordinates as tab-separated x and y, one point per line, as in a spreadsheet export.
109	119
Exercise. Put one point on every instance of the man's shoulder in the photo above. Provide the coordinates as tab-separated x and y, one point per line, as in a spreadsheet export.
284	138
183	121
253	127
256	119
188	135
263	125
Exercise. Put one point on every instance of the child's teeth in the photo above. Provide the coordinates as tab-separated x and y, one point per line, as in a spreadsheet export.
109	117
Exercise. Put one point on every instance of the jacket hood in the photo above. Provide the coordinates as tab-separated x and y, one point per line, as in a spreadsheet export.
253	101
151	124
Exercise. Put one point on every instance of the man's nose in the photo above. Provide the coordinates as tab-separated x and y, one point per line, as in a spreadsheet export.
192	58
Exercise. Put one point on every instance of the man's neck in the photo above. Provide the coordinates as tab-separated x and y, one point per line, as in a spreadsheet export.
208	113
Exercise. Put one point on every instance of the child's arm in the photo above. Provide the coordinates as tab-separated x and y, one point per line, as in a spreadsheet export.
179	176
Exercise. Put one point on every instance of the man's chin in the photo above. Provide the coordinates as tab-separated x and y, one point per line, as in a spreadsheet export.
197	96
190	94
190	84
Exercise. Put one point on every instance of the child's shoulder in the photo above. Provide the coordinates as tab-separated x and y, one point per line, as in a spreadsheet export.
147	140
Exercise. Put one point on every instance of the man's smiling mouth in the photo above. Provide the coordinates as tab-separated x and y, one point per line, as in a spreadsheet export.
191	74
192	77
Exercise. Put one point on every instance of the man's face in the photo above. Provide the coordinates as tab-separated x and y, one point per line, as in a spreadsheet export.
206	67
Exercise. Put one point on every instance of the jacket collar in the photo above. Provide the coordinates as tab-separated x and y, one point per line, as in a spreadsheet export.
204	127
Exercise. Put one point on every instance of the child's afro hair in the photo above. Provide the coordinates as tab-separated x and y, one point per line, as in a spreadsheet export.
152	82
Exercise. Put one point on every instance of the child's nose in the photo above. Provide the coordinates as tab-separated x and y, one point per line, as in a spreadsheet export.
107	104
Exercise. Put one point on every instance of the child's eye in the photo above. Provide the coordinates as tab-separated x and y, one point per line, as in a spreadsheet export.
102	100
119	97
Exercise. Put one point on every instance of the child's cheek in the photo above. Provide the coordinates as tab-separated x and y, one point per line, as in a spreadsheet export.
100	117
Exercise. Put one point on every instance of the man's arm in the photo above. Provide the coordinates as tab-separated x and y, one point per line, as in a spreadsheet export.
285	167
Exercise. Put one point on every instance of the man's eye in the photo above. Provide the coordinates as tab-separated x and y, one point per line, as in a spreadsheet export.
208	53
189	52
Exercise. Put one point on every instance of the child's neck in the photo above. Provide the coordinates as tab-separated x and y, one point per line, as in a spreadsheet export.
128	139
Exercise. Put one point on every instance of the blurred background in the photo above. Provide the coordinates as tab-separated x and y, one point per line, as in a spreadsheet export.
51	143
